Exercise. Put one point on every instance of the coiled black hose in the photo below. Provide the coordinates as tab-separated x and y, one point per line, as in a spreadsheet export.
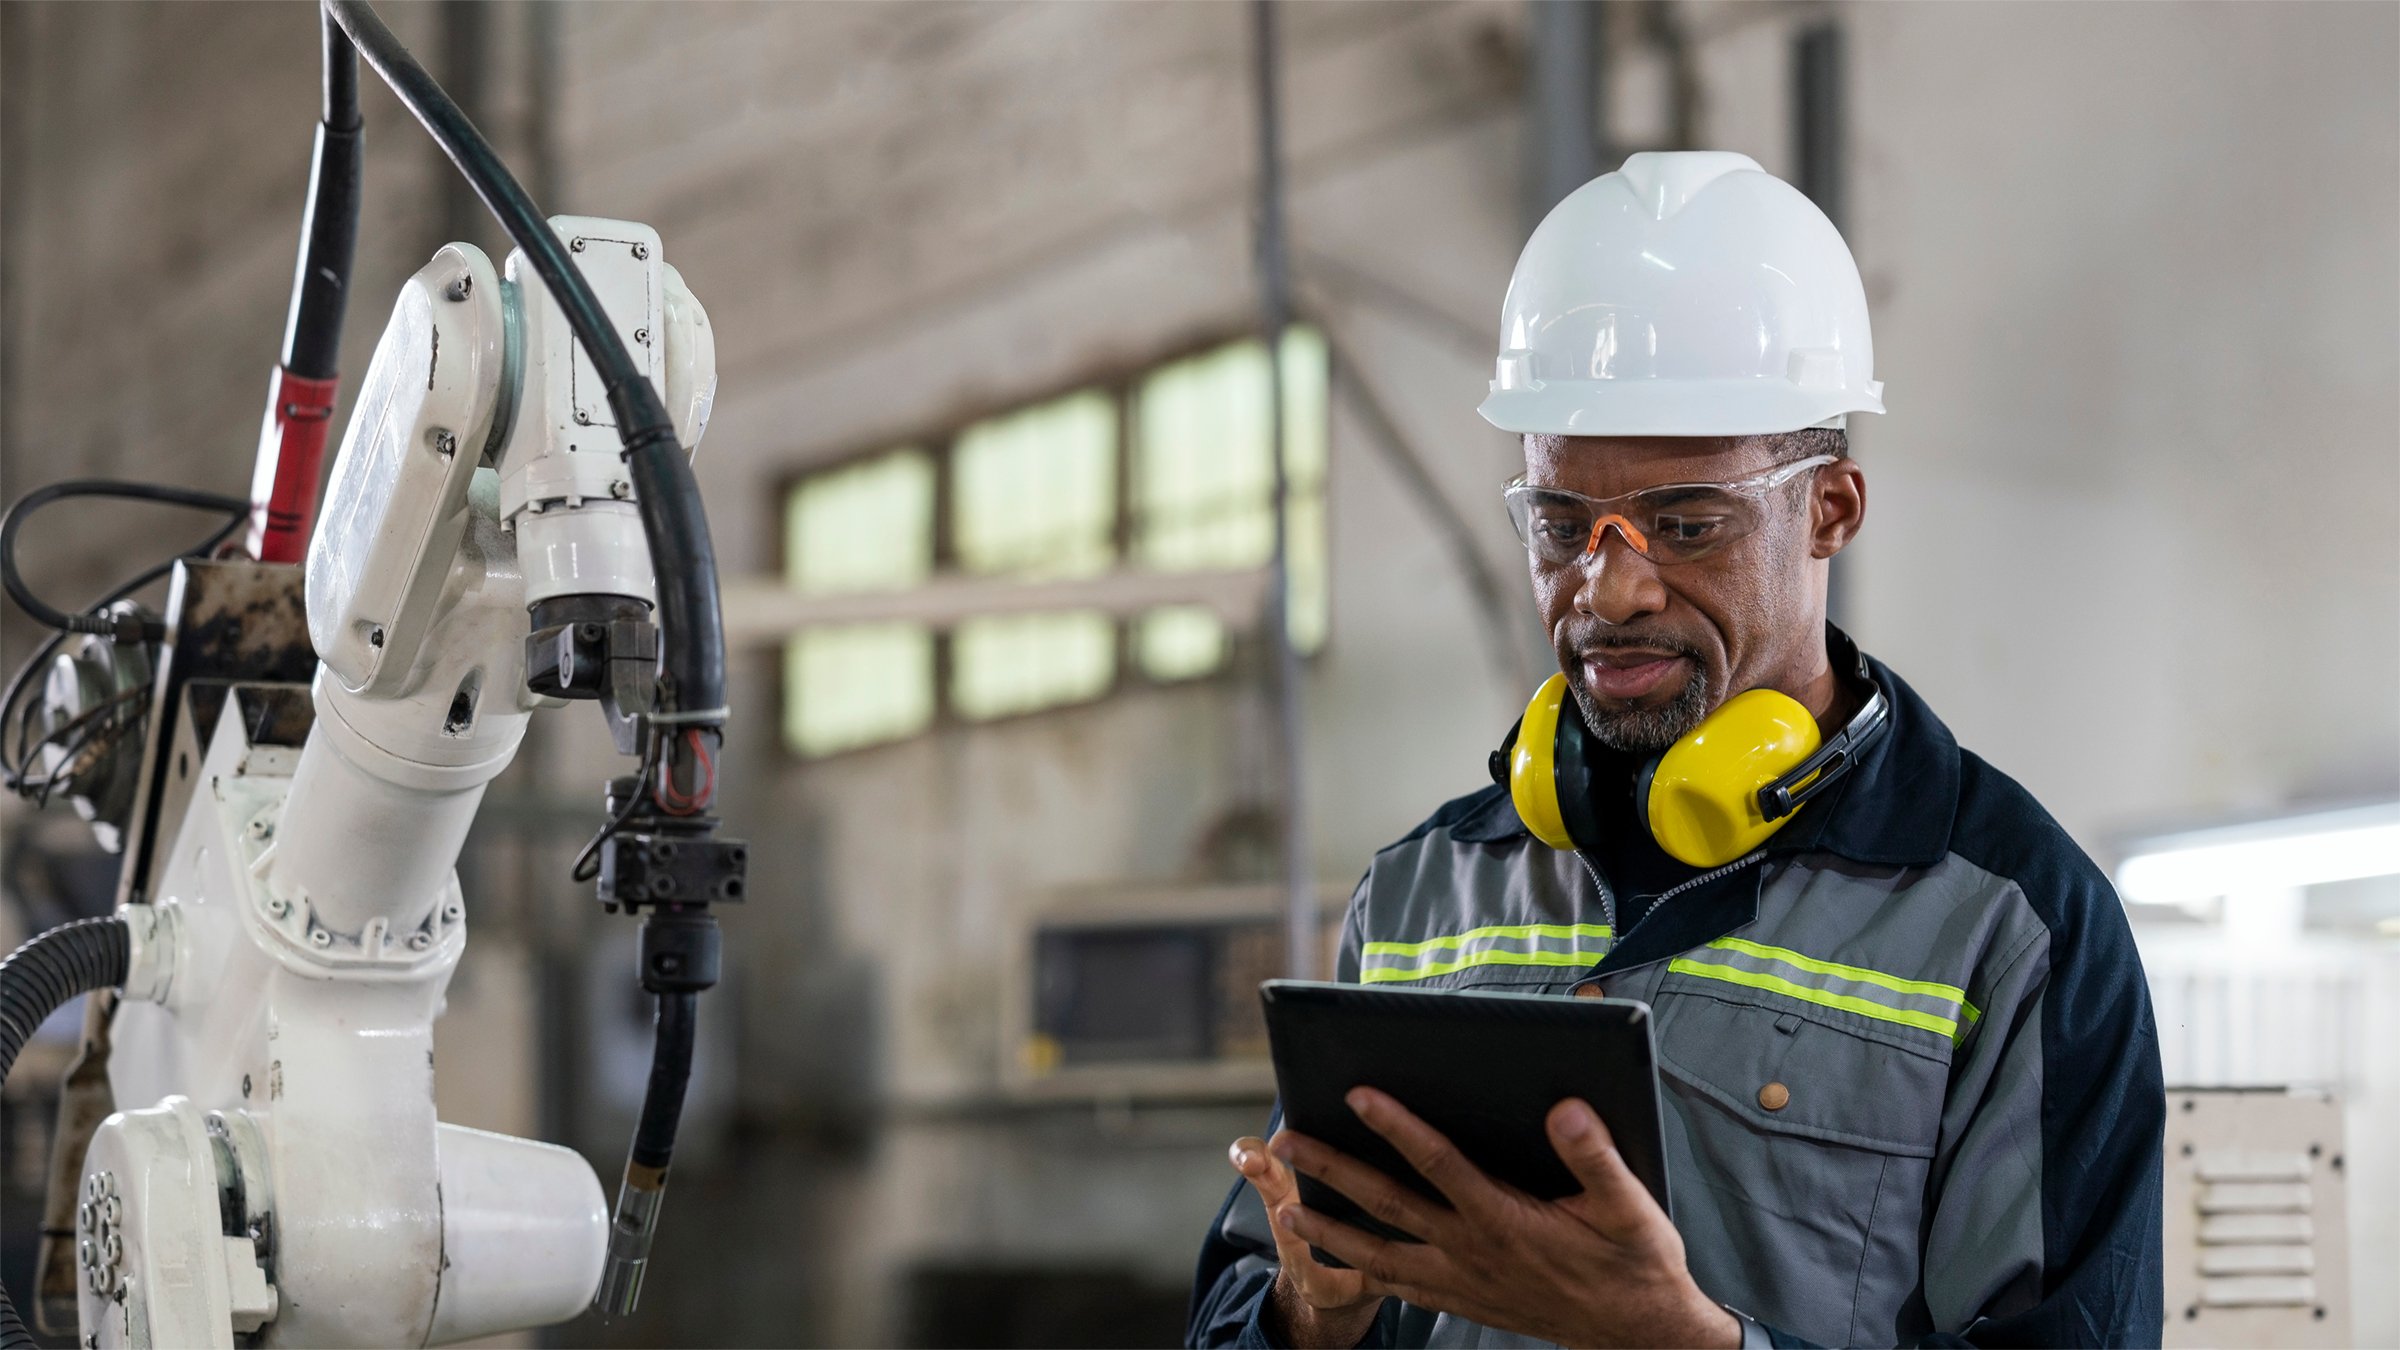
38	979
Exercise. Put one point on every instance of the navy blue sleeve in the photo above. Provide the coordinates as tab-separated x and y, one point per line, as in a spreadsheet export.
2104	1101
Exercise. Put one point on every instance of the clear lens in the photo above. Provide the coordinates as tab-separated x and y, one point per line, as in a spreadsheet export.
1560	527
1672	523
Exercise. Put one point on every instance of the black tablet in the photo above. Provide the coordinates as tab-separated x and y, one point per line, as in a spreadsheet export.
1484	1069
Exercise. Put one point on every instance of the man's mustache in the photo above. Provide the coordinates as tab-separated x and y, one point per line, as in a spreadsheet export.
1582	639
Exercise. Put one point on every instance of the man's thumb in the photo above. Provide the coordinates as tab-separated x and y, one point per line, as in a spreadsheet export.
1590	1152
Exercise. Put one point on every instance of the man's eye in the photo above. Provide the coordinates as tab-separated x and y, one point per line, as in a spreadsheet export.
1563	530
1687	529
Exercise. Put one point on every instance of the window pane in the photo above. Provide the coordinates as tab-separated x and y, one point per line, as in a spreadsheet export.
1202	487
1177	642
1034	495
853	685
862	528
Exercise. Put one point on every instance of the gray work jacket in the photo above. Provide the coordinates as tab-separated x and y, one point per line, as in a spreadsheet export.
1911	1078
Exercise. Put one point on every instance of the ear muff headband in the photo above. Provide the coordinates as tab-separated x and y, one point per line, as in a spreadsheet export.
1722	790
1533	766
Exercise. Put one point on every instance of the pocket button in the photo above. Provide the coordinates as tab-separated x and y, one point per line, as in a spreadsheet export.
1774	1096
1591	990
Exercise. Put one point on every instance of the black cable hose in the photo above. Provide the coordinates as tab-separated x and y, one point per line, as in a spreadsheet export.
312	333
42	611
670	1074
38	979
673	521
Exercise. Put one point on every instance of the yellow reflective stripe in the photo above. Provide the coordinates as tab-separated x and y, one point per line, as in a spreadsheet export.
1521	930
1777	985
1503	957
1947	992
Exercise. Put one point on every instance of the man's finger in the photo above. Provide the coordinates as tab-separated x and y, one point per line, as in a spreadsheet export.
1367	1187
1385	1265
1436	1159
1590	1152
1271	1179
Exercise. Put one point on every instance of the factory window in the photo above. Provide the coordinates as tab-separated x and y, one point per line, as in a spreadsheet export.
1034	497
1169	470
866	527
1203	475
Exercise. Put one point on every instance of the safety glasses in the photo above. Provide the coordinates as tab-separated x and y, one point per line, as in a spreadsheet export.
1670	523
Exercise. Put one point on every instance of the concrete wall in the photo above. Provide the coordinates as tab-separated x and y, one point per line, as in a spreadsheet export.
2136	525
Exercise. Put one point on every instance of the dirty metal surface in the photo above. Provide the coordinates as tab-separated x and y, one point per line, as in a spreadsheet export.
228	621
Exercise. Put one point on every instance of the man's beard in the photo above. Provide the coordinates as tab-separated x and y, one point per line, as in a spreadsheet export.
1645	731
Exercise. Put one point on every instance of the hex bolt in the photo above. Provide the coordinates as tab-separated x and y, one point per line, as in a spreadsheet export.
641	250
112	1210
620	489
444	444
575	245
86	1215
582	418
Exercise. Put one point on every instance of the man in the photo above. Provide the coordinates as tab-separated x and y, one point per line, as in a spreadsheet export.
1911	1079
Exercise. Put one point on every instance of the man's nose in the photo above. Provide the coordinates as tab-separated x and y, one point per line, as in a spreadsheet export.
1619	584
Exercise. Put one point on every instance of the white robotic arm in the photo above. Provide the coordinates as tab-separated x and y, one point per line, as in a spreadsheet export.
282	996
291	913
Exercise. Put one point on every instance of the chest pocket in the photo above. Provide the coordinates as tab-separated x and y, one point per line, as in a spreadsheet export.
1804	1109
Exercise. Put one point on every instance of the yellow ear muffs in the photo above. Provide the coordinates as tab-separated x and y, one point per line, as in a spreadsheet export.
1533	766
1701	798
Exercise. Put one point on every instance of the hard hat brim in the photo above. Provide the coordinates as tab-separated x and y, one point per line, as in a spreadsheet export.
1671	407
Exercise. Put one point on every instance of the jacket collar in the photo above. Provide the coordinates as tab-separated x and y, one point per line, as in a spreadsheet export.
1894	808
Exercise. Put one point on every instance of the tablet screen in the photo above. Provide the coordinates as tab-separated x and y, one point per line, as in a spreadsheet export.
1484	1069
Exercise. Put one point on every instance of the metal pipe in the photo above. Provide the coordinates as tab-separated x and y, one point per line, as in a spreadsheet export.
1563	92
1300	956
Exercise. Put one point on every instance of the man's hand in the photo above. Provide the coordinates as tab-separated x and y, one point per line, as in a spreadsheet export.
1602	1268
1312	1305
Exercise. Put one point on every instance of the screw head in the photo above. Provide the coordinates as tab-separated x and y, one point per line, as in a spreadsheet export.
461	287
641	337
375	636
86	1216
641	250
444	443
575	245
582	418
620	489
111	1211
245	1085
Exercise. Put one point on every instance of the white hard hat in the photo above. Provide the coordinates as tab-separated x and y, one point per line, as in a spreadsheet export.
1686	294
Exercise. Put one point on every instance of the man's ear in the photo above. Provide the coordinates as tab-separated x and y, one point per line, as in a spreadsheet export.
1837	507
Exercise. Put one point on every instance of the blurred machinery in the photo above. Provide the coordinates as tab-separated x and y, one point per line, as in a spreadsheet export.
289	759
1150	992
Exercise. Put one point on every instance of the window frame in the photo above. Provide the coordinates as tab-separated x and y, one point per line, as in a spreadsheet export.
938	438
